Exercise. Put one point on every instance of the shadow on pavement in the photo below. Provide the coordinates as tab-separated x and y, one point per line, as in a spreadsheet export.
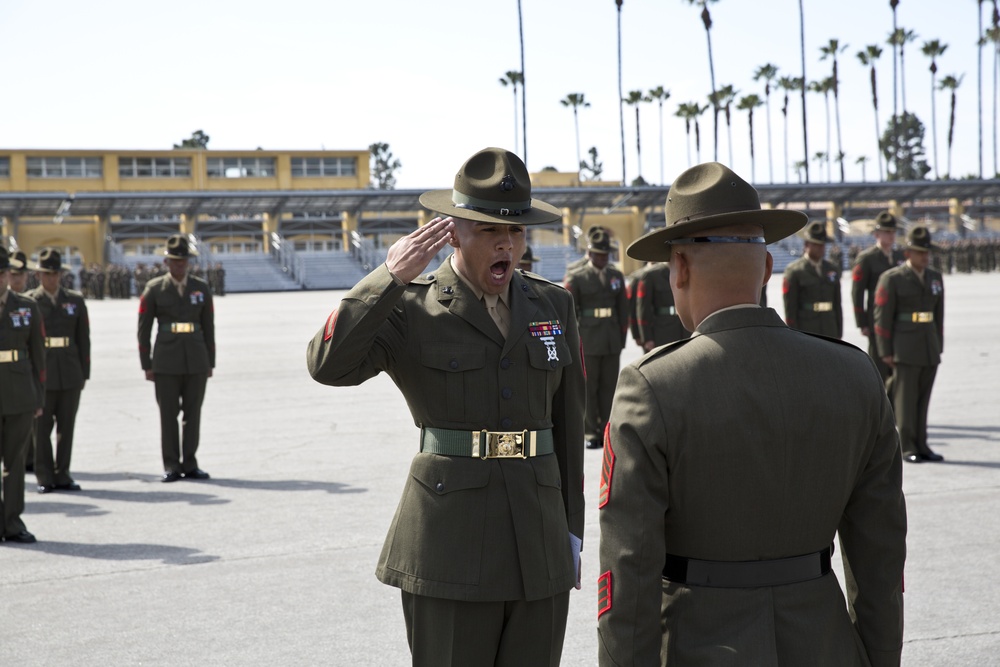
122	552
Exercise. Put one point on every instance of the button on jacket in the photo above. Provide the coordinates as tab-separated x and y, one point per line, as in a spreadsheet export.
465	528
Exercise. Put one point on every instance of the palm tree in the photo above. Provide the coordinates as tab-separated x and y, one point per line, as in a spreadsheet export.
831	50
723	99
992	36
524	94
800	166
821	157
899	38
787	84
868	58
802	49
767	72
706	19
575	100
621	109
513	79
895	75
748	103
979	63
824	86
932	50
950	82
634	99
690	111
661	96
862	160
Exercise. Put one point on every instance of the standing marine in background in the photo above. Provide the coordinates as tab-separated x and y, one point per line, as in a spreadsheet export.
180	307
811	288
598	289
657	314
67	360
871	264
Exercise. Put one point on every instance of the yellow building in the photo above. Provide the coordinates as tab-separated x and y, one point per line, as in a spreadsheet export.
170	185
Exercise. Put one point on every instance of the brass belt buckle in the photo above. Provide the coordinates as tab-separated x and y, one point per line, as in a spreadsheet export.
923	318
505	444
181	327
602	312
823	306
8	356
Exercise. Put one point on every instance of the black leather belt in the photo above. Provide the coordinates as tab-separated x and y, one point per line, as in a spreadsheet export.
747	574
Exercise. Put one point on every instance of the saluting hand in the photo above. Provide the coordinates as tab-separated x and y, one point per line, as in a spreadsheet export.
409	256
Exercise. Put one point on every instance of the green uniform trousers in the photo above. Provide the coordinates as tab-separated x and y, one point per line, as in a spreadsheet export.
911	396
602	379
60	411
15	433
175	393
460	633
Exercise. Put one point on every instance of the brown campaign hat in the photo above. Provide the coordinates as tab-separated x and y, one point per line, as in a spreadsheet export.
178	247
708	196
599	241
492	186
919	238
49	261
18	261
885	220
5	260
815	232
528	256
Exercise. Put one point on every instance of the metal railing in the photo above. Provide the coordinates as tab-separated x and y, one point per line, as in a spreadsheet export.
284	255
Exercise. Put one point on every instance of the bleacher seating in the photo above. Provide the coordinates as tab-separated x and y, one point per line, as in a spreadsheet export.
254	272
329	270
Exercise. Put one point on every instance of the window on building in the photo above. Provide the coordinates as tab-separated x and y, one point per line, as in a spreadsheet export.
324	166
240	167
4	167
157	167
64	167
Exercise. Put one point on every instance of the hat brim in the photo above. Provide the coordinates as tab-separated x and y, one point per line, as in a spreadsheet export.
777	224
44	269
919	248
440	201
191	254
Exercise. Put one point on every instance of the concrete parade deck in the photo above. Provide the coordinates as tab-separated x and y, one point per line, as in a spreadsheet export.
272	560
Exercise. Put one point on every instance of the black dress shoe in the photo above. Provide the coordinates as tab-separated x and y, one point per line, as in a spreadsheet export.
170	476
72	486
932	457
46	488
913	458
29	467
197	473
594	444
24	537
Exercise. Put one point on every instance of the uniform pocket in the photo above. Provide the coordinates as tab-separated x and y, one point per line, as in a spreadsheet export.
555	529
453	371
546	362
439	526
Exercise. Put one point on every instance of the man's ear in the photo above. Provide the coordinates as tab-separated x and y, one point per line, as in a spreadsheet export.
680	269
768	266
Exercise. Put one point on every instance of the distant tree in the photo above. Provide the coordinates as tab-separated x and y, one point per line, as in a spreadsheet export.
706	20
723	100
788	84
903	146
950	82
800	167
830	51
690	111
767	72
661	96
824	86
932	50
575	101
513	79
868	58
198	140
899	38
862	160
634	99
821	159
383	167
748	103
992	36
595	167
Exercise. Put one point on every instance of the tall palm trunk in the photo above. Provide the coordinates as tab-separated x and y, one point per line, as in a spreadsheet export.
621	102
524	94
979	66
895	79
836	111
805	131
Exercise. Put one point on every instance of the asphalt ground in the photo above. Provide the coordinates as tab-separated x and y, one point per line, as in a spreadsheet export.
272	560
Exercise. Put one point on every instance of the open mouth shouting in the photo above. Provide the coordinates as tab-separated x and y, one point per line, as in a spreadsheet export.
500	272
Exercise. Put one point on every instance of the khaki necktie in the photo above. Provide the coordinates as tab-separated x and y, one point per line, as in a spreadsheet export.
492	307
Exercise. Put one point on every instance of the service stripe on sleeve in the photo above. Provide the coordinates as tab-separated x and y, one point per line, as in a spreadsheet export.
607	469
603	593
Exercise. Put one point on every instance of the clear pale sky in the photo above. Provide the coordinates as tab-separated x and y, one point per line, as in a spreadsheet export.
424	77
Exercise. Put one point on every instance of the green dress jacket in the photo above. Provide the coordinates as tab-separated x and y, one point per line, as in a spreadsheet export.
812	301
722	448
177	352
900	294
22	382
468	528
602	308
67	366
658	321
869	266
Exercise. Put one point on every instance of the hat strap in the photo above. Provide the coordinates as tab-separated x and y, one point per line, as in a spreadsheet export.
485	206
717	239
